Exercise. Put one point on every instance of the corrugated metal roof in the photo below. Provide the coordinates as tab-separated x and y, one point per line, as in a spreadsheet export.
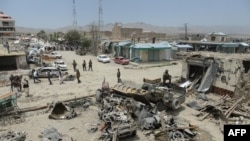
160	45
217	33
183	46
231	45
244	44
123	43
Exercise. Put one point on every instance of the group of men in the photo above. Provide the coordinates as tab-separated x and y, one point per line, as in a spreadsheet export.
84	66
84	69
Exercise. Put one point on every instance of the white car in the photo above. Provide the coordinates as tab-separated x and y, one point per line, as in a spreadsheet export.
57	55
60	64
103	58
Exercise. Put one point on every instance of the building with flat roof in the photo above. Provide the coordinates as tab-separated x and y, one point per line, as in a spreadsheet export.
7	26
120	33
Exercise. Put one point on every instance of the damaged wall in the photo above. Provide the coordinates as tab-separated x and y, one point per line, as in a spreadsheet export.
21	62
231	75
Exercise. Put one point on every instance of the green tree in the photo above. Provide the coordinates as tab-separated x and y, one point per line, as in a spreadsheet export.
85	43
42	35
72	37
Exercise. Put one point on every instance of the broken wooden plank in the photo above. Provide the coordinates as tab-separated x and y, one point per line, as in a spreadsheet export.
232	108
241	114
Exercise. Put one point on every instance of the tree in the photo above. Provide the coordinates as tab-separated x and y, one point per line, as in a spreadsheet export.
42	35
72	37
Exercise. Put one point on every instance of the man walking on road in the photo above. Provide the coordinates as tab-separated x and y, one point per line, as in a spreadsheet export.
78	76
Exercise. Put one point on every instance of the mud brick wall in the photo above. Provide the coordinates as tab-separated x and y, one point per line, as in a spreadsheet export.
221	91
243	87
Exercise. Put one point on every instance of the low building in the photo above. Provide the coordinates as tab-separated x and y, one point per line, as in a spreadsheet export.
147	52
122	49
13	60
137	34
234	48
216	37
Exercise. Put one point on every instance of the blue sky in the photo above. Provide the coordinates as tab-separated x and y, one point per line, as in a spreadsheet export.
59	13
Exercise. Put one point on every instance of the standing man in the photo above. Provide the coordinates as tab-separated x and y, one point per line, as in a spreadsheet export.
60	75
11	82
118	76
90	65
78	76
84	65
49	76
26	86
74	65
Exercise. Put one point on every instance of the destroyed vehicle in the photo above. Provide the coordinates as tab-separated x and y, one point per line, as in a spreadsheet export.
170	95
163	97
103	91
124	130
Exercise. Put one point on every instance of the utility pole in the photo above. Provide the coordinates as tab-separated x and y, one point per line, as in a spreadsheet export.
185	31
100	21
74	16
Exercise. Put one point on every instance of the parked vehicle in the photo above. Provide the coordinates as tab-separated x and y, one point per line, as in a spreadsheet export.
121	60
103	58
42	72
57	55
61	64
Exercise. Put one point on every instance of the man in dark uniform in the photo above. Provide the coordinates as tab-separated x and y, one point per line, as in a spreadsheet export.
49	76
74	65
26	87
84	65
118	76
78	76
11	82
90	65
166	76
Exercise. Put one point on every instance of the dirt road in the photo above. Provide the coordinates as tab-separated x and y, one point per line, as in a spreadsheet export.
43	93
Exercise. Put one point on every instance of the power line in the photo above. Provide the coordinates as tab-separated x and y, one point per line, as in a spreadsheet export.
100	21
74	16
185	31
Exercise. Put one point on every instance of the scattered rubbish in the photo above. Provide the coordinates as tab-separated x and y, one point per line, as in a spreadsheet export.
61	111
52	134
13	136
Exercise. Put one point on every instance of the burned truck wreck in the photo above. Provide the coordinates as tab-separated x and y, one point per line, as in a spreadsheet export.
124	110
217	73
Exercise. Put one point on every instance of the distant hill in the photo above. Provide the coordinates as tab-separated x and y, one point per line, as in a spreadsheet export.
169	30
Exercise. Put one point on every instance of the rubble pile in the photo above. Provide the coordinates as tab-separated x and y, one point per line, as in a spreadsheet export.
225	111
123	116
13	136
243	87
52	134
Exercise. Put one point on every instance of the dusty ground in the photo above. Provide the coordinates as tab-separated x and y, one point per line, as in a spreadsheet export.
43	93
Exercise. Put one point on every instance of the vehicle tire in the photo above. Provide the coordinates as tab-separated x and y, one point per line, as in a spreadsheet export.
175	104
177	135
